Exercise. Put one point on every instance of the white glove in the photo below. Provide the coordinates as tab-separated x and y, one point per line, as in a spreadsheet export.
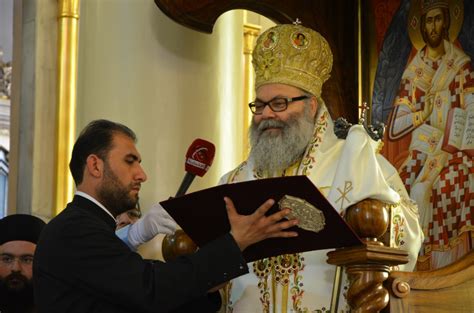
156	221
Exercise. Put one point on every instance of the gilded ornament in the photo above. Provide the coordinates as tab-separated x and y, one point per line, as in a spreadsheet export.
309	217
292	55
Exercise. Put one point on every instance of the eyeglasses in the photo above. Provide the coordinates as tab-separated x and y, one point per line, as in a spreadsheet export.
8	259
276	104
134	213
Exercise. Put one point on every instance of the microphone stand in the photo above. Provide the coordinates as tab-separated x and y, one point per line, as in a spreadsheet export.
187	180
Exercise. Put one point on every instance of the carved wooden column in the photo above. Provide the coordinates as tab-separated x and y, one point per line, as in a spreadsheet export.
368	266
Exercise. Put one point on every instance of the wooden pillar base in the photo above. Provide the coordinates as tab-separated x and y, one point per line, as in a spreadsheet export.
368	266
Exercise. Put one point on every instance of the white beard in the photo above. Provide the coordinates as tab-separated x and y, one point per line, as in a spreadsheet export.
273	152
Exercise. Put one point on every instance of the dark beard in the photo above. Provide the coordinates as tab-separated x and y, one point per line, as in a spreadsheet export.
434	42
272	153
115	196
16	300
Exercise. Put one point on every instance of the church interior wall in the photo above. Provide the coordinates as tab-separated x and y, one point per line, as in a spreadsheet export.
136	66
168	83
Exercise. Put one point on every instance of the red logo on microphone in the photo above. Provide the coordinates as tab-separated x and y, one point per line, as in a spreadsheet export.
199	157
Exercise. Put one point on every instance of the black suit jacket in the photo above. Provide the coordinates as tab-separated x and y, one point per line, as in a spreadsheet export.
81	266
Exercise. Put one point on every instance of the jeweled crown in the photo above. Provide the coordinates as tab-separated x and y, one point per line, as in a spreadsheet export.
427	5
294	55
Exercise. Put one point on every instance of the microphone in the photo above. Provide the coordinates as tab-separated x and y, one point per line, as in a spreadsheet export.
198	160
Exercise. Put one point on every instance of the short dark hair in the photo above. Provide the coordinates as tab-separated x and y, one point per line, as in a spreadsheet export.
96	138
447	24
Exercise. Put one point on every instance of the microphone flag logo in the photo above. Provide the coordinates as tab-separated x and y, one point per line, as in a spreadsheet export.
199	157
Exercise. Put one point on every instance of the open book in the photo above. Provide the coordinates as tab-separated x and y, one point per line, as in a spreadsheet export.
426	138
459	131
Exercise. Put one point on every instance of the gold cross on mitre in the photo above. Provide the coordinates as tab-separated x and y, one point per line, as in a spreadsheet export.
297	22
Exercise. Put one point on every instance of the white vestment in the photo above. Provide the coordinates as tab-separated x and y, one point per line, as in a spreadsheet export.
345	171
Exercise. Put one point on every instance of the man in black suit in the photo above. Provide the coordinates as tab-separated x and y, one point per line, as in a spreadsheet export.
81	266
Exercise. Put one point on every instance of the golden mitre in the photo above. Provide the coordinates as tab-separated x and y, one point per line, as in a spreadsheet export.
293	55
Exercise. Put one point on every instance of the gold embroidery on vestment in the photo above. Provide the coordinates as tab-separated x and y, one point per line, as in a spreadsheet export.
347	188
